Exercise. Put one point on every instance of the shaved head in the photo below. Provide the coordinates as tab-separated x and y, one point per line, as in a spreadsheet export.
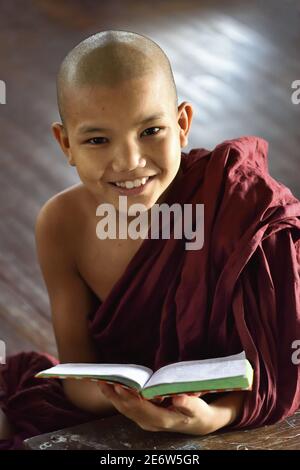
109	58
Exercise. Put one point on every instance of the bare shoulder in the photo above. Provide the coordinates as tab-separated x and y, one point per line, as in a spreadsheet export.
58	225
61	207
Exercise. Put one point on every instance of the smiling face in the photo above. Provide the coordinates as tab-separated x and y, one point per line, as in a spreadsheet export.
123	133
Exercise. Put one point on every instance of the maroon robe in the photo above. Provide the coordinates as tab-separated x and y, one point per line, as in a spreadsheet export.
241	291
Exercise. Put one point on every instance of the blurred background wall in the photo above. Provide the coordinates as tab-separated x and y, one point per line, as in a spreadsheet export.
235	60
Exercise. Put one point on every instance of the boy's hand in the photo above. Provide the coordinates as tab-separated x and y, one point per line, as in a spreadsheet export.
188	414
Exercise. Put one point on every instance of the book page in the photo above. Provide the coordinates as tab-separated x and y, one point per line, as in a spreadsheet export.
206	369
138	373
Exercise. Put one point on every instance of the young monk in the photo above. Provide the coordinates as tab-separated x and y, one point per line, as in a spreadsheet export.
150	301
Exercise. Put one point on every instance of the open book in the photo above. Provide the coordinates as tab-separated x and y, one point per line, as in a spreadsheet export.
208	375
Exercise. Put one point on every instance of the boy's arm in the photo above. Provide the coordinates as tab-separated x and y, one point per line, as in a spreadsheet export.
227	409
71	301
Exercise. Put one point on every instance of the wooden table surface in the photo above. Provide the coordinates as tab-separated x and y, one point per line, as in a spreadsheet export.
119	433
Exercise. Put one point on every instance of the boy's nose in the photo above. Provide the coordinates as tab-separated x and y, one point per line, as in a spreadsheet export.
127	159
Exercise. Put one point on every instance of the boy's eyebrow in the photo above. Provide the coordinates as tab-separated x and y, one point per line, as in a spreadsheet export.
86	129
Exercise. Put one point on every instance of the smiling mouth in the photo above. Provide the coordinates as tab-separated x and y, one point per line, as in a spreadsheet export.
135	189
148	178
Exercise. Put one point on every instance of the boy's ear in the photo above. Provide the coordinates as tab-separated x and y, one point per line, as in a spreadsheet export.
185	116
61	136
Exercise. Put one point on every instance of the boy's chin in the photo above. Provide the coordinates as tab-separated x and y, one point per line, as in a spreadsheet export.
124	209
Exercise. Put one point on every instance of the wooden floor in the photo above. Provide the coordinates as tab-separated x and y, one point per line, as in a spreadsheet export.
234	60
120	433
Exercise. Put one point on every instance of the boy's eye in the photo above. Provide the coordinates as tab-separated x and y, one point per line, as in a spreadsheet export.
151	129
96	140
102	140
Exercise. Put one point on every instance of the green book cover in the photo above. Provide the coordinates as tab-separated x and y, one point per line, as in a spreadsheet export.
206	375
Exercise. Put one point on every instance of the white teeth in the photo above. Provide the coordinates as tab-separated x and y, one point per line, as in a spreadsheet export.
132	184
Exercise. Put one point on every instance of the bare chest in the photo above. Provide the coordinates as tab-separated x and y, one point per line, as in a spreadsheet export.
102	263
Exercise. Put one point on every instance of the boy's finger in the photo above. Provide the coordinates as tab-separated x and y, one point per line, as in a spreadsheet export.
185	408
157	399
105	389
